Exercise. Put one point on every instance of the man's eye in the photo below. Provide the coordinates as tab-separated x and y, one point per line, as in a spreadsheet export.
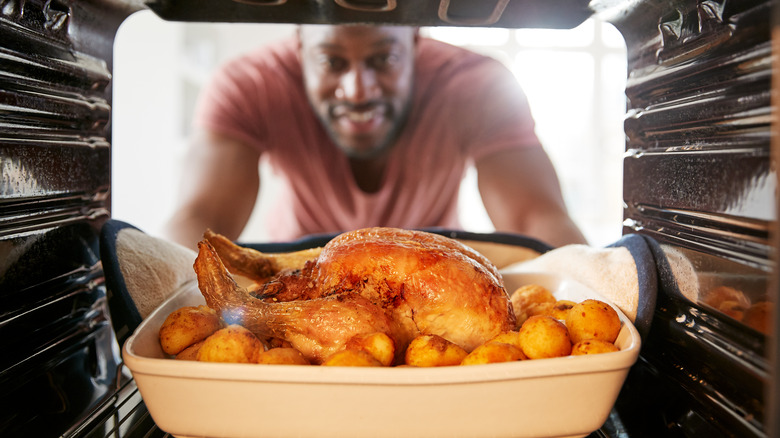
333	63
383	61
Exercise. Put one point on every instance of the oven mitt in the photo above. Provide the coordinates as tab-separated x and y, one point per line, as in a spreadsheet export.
676	273
141	271
623	273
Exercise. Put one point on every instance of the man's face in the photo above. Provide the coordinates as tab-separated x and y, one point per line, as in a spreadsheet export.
359	82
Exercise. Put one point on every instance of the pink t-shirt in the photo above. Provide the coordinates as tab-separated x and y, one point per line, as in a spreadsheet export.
465	106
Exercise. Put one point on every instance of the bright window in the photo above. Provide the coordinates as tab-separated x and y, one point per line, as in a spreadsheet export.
575	83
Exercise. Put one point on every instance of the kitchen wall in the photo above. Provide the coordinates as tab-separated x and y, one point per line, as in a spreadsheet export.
574	80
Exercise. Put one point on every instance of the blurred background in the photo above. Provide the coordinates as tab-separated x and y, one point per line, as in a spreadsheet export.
574	79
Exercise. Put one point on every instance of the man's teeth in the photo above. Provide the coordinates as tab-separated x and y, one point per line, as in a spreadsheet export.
361	116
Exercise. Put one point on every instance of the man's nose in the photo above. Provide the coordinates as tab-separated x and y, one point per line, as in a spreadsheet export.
359	84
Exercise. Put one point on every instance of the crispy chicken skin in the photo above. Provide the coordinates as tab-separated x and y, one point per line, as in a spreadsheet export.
399	282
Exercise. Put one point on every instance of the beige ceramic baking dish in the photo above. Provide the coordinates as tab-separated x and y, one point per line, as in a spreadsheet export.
562	397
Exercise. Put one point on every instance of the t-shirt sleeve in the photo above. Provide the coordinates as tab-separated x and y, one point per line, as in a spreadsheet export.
231	104
497	116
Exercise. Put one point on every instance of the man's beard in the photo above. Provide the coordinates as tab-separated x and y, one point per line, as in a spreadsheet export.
381	145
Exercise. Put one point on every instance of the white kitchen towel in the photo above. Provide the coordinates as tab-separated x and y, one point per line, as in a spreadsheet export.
624	273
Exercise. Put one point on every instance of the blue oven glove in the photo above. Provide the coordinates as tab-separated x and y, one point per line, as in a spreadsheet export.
141	271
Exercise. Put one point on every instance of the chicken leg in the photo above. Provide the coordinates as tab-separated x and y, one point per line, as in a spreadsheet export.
317	328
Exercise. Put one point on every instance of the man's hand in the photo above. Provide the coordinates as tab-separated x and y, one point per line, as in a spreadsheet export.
521	194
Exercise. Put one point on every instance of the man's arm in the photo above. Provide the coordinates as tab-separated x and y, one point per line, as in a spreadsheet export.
521	194
218	189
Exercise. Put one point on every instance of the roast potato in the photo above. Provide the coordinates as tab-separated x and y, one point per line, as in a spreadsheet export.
191	352
733	309
351	358
493	352
593	319
379	345
543	336
716	296
282	356
593	346
510	337
527	301
233	343
558	310
758	315
433	351
186	326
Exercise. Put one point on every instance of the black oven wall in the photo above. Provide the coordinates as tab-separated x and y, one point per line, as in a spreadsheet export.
698	180
59	361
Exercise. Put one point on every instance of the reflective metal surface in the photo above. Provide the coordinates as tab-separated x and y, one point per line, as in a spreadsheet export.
563	14
699	180
60	359
698	173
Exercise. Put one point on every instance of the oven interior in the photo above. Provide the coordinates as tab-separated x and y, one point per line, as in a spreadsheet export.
699	179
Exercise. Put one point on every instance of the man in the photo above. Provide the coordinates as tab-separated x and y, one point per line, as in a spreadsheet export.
368	126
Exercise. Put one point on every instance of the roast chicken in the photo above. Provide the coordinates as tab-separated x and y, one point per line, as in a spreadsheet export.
400	282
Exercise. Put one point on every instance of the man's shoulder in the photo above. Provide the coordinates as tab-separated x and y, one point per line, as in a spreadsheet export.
436	55
441	65
280	56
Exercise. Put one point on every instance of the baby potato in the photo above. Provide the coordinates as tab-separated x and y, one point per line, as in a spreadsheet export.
433	351
379	345
593	319
493	352
351	358
527	299
510	337
593	346
543	336
186	326
560	309
282	356
732	309
716	296
758	316
234	344
191	352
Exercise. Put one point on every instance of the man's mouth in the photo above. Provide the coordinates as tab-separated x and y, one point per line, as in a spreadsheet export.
361	116
358	120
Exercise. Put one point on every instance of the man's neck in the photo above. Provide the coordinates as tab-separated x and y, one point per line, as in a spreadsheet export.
369	173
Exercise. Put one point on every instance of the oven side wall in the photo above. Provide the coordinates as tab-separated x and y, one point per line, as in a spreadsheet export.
60	362
699	182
